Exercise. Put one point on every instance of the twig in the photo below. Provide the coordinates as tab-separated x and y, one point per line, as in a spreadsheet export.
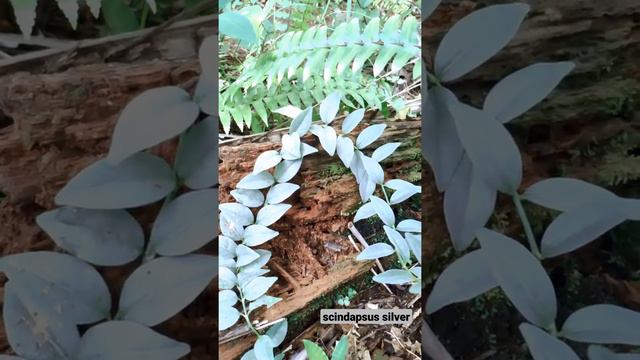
362	241
280	270
432	345
355	246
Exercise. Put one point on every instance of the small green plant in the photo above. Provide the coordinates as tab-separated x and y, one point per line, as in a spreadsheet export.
50	294
315	352
242	281
345	299
474	157
301	65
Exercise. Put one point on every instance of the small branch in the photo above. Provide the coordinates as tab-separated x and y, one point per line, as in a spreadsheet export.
355	246
362	241
290	279
527	226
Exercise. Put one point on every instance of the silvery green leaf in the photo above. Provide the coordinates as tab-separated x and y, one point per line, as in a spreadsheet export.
267	160
256	181
631	208
255	235
543	346
579	226
565	194
101	237
227	316
399	242
416	288
428	6
286	170
226	247
468	205
521	277
227	298
126	185
384	211
415	244
329	107
301	123
597	352
352	120
249	355
357	168
265	255
464	279
240	214
375	251
366	189
289	111
245	255
73	286
409	225
603	324
206	96
263	348
271	213
257	287
417	271
249	198
522	90
278	332
364	212
490	147
403	193
394	277
33	328
398	184
291	147
231	229
25	13
197	156
264	300
369	135
470	42
341	350
134	341
244	276
384	151
227	262
344	148
374	171
137	128
327	136
281	192
308	149
207	52
162	287
185	224
441	146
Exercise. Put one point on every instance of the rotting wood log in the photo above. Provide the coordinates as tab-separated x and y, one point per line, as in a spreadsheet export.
322	209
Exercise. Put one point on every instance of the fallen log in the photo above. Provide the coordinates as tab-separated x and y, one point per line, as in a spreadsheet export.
322	209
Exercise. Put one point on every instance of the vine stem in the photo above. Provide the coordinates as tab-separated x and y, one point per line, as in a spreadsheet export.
385	194
245	313
527	225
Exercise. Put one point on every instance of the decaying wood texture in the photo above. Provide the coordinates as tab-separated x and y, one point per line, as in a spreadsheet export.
322	209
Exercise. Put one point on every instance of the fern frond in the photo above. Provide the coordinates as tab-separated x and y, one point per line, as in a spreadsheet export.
319	53
257	103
